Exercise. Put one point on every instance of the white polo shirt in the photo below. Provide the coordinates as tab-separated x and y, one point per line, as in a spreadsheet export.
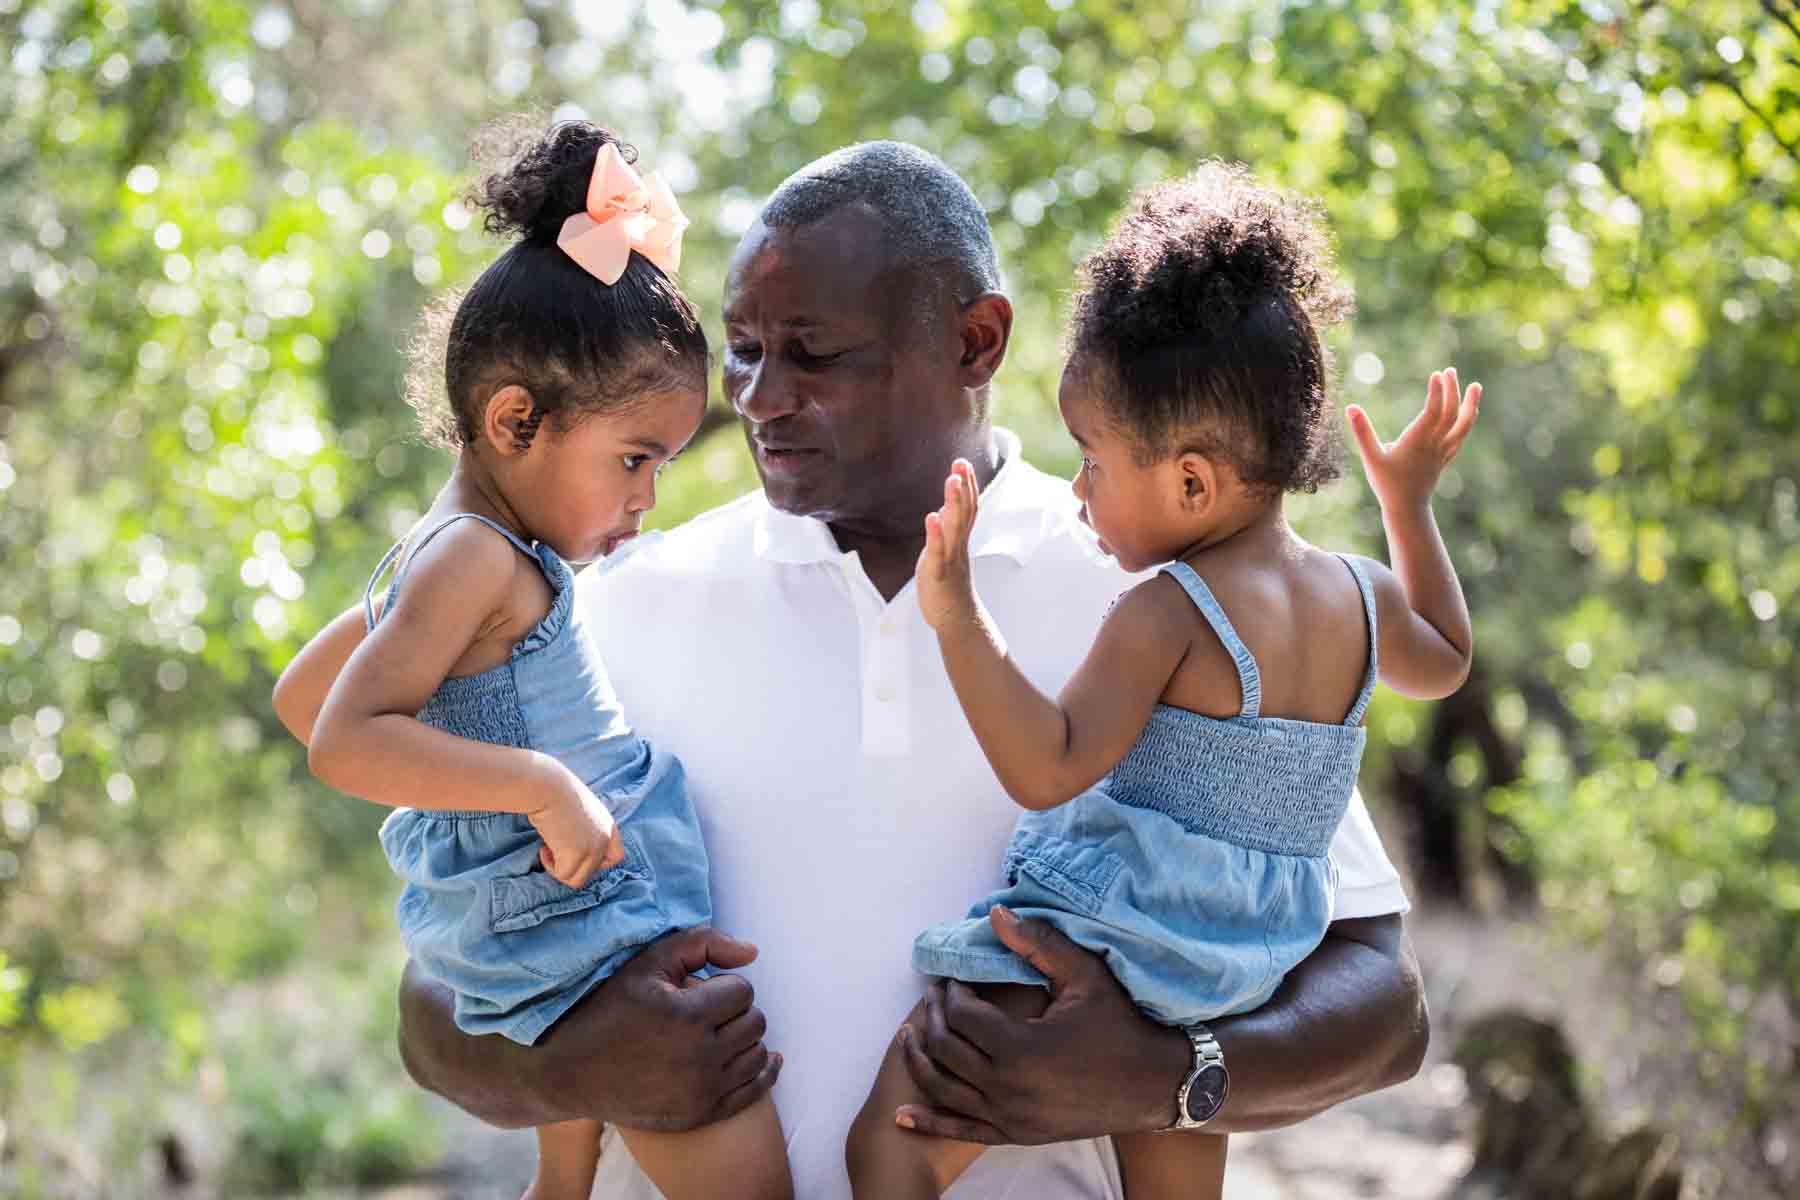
845	803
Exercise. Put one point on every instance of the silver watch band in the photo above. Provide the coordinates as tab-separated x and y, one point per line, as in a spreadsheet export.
1206	1054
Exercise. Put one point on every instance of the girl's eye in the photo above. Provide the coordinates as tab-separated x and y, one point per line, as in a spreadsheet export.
1087	464
634	461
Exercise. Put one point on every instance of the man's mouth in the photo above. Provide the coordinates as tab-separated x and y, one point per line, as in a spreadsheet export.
780	459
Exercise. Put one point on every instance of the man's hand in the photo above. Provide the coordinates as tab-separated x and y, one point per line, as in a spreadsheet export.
651	1048
1091	1064
1348	1020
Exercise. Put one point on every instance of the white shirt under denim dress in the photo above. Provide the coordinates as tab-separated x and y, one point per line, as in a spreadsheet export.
844	802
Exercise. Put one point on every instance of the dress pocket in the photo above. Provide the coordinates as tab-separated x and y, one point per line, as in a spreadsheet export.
1079	875
526	901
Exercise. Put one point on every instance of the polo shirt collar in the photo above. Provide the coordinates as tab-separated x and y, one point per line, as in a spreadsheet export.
1010	522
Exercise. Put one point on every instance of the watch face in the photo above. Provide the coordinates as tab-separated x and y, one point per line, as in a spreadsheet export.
1207	1094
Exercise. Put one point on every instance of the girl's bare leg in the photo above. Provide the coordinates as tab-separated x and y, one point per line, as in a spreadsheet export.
568	1152
1172	1166
741	1156
888	1162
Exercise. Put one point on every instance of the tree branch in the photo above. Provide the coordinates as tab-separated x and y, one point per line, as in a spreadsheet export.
1792	148
1774	10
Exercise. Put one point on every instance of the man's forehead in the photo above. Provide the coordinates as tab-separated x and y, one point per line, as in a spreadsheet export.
842	253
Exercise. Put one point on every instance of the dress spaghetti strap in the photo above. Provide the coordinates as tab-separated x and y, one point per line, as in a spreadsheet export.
1249	679
393	555
1367	589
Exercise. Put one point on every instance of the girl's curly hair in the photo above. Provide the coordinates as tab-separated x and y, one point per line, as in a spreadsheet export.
534	317
1198	322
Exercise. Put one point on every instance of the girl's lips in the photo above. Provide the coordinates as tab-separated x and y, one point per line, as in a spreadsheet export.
615	541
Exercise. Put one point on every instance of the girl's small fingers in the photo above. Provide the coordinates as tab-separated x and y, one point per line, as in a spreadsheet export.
967	471
1465	417
1437	401
1452	396
1363	430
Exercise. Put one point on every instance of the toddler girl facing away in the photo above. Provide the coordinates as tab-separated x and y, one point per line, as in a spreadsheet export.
541	841
1182	791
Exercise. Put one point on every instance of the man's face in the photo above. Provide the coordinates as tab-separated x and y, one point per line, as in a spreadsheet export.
845	370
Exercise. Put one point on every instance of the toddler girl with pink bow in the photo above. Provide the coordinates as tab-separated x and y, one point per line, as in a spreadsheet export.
542	842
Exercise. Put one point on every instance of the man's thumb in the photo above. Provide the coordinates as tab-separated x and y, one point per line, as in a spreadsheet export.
691	949
1045	947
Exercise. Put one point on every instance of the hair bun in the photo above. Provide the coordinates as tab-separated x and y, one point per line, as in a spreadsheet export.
544	179
1192	255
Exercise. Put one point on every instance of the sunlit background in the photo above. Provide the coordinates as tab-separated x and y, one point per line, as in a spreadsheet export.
218	223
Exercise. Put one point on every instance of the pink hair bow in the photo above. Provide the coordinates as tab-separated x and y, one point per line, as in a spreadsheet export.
625	212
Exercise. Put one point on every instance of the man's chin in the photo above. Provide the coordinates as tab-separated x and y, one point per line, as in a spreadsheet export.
800	497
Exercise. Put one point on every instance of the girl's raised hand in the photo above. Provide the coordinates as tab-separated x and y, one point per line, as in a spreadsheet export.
946	592
581	839
1404	472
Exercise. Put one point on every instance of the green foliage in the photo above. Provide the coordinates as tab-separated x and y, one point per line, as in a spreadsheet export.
217	223
302	1120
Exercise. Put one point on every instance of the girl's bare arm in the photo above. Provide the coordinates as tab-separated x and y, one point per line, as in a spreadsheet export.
1427	643
300	692
366	739
1045	751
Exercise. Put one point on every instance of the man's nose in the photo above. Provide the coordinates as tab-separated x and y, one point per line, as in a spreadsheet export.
766	394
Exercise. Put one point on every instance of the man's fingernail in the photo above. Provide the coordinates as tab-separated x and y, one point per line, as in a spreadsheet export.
904	1120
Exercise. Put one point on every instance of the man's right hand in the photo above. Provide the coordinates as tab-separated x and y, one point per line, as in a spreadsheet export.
651	1048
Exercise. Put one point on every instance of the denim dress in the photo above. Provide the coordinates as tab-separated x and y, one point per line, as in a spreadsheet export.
478	911
1198	867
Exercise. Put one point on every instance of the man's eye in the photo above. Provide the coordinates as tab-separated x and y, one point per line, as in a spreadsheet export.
634	461
808	358
745	351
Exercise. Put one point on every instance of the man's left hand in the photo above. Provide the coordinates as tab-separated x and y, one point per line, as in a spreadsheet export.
1081	1069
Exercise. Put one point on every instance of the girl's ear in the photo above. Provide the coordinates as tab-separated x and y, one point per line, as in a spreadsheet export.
1198	478
510	420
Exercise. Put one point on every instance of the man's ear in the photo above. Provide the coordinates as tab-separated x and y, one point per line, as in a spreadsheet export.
986	330
1199	479
510	419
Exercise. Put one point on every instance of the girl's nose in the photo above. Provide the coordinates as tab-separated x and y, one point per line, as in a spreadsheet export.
643	499
1079	483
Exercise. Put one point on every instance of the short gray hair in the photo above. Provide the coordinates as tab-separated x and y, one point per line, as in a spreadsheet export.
928	213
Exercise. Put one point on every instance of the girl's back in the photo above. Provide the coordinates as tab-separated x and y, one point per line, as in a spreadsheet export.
1299	612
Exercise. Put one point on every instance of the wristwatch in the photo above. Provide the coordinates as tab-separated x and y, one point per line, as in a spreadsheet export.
1203	1092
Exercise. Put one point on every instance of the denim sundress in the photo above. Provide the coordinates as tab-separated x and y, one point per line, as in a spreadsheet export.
1198	867
478	912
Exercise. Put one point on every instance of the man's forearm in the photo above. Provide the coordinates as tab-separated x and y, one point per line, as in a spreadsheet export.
489	1077
653	1047
1348	1020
